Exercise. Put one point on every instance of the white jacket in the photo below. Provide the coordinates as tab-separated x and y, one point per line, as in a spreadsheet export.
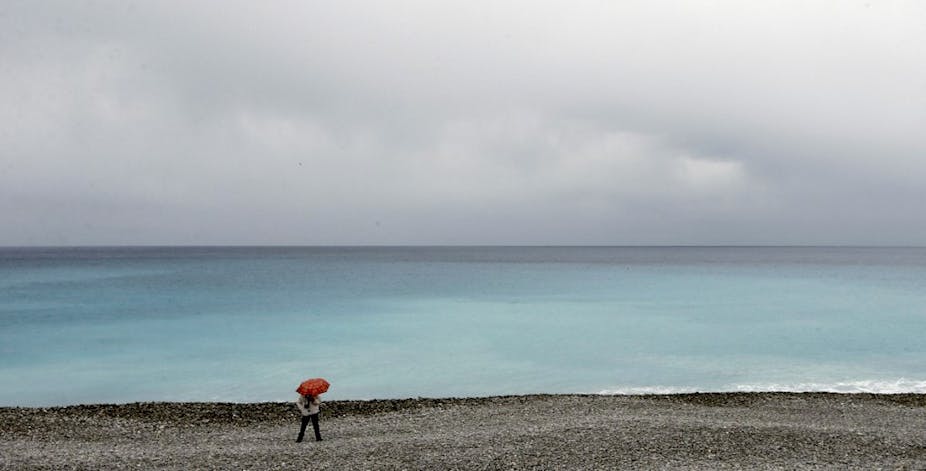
308	407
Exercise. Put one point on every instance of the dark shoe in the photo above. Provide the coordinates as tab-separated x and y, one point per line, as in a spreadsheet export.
299	440
318	439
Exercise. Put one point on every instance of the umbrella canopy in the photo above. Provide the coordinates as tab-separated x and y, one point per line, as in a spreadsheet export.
313	386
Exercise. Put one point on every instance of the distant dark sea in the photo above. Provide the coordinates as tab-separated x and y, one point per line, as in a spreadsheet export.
105	325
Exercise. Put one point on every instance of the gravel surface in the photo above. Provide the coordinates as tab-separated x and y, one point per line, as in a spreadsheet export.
686	431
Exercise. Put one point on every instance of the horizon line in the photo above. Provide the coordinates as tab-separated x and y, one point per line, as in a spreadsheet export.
114	246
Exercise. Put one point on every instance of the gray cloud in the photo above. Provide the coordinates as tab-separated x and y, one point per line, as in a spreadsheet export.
473	122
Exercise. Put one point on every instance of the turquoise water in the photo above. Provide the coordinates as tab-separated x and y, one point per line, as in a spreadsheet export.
95	325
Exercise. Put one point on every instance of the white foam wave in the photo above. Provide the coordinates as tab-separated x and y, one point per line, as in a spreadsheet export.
897	386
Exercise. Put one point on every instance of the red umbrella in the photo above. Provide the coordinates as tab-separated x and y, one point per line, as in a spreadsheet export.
314	386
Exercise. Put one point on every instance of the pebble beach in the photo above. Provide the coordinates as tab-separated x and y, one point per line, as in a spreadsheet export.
682	431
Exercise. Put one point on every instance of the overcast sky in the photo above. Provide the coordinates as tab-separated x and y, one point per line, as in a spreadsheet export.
428	122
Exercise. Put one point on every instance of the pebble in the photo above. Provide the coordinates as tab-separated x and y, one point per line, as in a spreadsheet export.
685	431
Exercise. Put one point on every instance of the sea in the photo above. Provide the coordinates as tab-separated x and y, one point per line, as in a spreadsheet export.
247	324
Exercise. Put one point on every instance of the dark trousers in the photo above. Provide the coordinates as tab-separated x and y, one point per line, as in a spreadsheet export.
305	422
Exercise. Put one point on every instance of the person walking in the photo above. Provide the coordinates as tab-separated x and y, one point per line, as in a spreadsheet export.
308	405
